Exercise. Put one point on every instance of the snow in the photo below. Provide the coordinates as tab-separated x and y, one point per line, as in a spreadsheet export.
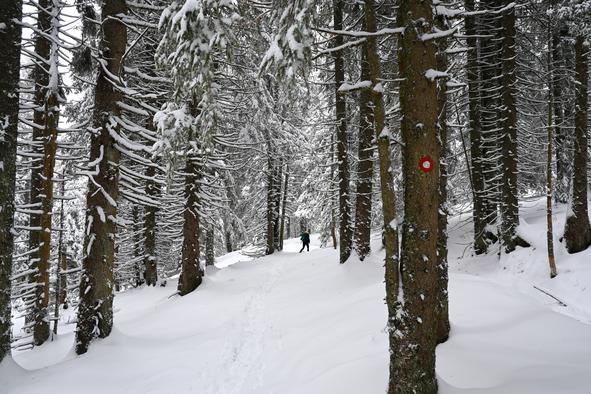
302	323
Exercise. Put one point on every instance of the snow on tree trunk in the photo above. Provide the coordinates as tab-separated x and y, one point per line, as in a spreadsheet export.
509	194
386	185
10	34
365	165
150	212
577	232
549	225
473	76
283	208
345	234
414	334
209	246
442	92
191	272
95	311
46	118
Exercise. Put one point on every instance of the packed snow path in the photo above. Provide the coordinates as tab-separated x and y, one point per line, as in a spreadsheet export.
302	323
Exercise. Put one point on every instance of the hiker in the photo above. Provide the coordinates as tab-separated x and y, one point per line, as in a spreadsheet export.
305	237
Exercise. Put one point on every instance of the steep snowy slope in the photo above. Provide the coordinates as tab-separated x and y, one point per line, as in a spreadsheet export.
302	323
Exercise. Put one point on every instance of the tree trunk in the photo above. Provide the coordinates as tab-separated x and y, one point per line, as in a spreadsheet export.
490	64
137	246
191	272
387	188
61	286
345	234
46	118
561	192
278	174
333	203
549	229
442	266
283	207
577	232
473	76
209	246
95	312
270	199
365	165
415	321
509	198
150	212
10	11
229	247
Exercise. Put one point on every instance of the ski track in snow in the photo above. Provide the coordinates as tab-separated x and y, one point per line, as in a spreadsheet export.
243	351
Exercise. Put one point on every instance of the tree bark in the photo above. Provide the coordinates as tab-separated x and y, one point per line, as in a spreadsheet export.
509	197
209	246
95	313
443	325
473	76
561	192
270	199
577	232
490	64
364	166
415	333
386	188
191	272
283	207
10	45
136	240
345	234
150	212
549	224
278	174
46	118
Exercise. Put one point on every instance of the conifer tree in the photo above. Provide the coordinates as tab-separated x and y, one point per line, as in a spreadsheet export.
95	311
10	38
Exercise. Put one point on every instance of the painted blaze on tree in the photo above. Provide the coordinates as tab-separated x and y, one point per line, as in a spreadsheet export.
413	331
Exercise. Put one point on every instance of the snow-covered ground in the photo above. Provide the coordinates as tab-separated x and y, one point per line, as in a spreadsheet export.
302	323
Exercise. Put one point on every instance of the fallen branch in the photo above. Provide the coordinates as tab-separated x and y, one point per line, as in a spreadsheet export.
560	302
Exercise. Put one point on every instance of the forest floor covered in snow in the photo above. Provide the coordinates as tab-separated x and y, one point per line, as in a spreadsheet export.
302	323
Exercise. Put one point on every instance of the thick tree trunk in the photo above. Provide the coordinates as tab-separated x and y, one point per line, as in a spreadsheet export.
95	312
509	197
10	40
415	333
387	190
191	272
345	234
364	166
283	207
45	117
442	297
150	212
489	27
473	76
577	232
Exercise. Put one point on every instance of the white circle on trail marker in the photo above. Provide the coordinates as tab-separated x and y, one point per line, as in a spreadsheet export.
426	164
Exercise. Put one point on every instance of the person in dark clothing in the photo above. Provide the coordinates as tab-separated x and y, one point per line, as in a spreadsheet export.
305	237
